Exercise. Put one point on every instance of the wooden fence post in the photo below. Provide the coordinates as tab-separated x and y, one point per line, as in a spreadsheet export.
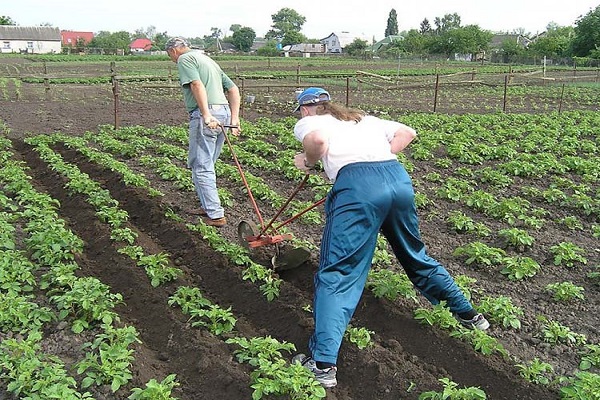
435	97
562	95
115	89
347	91
506	79
46	81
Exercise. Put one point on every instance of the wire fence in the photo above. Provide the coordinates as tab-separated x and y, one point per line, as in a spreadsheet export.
470	90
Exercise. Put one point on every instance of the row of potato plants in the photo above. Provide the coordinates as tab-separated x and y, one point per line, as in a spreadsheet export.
288	135
482	342
254	273
361	337
270	376
85	303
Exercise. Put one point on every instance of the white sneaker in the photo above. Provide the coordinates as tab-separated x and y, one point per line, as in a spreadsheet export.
326	377
477	322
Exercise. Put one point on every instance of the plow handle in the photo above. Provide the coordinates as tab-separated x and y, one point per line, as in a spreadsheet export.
239	167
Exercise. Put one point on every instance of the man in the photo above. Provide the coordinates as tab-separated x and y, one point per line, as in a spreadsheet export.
372	193
212	100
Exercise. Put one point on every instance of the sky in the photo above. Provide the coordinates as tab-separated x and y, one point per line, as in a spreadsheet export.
361	18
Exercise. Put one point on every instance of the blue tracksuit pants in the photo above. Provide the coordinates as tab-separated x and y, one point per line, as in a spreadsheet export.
368	197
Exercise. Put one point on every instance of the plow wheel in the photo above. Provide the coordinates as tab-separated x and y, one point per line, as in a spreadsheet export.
247	232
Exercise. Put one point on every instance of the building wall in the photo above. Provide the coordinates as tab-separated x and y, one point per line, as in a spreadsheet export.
31	46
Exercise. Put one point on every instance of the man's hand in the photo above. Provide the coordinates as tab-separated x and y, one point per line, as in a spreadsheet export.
210	121
235	131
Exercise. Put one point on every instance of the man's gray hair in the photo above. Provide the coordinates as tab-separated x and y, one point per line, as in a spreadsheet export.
176	42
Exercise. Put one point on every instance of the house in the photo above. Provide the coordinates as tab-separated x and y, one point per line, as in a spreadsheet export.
304	49
141	44
384	43
73	38
499	38
497	44
257	44
35	39
336	42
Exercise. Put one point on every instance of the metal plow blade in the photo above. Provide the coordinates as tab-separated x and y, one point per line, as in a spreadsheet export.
290	258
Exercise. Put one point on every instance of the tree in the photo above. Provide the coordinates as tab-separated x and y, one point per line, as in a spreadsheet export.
111	41
587	34
287	24
446	23
160	40
6	20
415	42
555	43
269	49
466	40
145	33
511	49
392	24
235	27
425	27
357	47
243	38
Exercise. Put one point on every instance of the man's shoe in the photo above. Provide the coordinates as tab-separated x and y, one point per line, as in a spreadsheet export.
477	322
326	377
218	222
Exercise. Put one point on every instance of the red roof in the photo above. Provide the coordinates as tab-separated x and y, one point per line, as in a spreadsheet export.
141	44
70	38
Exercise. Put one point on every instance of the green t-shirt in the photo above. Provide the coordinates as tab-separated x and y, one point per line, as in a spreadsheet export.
193	66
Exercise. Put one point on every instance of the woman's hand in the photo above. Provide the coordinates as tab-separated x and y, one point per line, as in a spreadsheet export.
300	162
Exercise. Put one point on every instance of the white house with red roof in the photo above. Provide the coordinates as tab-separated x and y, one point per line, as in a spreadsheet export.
141	44
73	38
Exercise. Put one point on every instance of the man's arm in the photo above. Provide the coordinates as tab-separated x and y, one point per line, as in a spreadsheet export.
199	92
233	97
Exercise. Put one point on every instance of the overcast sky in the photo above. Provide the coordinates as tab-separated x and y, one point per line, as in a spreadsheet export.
195	18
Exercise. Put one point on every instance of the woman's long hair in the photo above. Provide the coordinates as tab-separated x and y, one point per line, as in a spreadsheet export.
339	111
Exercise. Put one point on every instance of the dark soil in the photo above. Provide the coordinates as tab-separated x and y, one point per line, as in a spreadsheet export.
405	353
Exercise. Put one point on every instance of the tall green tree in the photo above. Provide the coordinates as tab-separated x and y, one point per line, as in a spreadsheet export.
392	24
415	42
555	43
425	27
587	34
465	40
446	23
511	49
243	38
111	41
287	27
6	20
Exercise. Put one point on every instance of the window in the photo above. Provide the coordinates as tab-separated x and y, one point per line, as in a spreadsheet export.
30	45
6	45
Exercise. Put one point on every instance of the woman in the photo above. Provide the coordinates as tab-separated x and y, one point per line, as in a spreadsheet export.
372	192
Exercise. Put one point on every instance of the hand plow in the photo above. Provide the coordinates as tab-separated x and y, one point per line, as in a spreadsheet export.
252	235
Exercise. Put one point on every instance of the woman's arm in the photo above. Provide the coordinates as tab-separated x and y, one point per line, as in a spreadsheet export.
402	138
315	146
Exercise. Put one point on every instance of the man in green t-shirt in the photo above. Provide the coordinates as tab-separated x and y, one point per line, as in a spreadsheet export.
212	100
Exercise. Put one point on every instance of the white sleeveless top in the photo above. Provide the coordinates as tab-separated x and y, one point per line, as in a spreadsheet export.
350	142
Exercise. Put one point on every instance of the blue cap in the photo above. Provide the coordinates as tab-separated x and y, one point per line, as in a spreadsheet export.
312	95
